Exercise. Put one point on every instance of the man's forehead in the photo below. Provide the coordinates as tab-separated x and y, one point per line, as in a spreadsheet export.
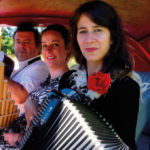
24	35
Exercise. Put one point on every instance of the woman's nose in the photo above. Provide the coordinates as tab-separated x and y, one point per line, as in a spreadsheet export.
89	37
48	48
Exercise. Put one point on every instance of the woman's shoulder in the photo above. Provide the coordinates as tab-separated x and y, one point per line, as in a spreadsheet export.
42	85
127	85
75	74
46	82
66	79
68	73
126	81
74	78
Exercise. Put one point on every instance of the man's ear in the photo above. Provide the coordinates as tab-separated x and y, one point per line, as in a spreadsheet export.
68	49
67	46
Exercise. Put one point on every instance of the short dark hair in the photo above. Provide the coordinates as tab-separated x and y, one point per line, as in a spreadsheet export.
29	27
104	15
61	29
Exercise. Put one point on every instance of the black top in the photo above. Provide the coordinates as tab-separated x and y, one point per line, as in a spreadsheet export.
120	108
9	65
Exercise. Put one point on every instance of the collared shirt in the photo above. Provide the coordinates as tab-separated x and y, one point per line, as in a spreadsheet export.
1	56
30	75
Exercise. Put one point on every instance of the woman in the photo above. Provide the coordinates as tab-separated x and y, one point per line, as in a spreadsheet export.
56	53
99	46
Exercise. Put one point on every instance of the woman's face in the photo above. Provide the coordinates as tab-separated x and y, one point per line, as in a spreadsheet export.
54	50
94	40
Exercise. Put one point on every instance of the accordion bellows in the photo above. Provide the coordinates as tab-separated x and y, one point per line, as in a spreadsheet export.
8	109
63	124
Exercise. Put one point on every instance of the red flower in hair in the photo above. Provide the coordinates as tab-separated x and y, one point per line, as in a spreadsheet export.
99	82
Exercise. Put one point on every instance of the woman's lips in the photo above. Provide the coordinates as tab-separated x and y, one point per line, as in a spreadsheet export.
92	49
50	58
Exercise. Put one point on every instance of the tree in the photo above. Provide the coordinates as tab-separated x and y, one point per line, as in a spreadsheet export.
7	41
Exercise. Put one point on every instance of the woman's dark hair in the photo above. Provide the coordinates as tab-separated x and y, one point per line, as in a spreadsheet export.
61	29
29	27
117	61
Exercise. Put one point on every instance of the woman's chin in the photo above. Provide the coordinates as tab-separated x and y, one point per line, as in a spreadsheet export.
50	62
52	65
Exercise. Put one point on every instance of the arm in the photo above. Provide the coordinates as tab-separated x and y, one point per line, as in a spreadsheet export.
18	92
127	110
27	81
31	109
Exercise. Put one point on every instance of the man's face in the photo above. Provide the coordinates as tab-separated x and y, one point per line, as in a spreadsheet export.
25	47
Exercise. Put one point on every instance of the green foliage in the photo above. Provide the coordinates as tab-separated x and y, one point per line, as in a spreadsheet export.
7	41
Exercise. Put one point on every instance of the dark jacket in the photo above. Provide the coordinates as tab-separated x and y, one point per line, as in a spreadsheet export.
120	108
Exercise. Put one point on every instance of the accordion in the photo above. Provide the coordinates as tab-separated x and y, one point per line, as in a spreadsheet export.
65	124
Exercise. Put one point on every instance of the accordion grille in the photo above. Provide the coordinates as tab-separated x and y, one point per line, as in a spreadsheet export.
71	126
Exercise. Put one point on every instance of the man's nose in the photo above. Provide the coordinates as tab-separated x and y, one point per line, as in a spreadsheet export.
22	44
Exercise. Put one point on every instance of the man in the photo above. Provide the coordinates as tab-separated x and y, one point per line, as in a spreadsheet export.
32	70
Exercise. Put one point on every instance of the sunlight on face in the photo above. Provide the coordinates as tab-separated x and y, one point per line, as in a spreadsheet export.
53	49
25	47
94	40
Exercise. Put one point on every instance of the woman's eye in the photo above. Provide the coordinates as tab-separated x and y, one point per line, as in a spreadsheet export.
97	30
81	31
55	45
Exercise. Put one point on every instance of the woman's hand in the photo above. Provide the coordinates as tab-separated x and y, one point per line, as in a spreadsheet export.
31	109
12	138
